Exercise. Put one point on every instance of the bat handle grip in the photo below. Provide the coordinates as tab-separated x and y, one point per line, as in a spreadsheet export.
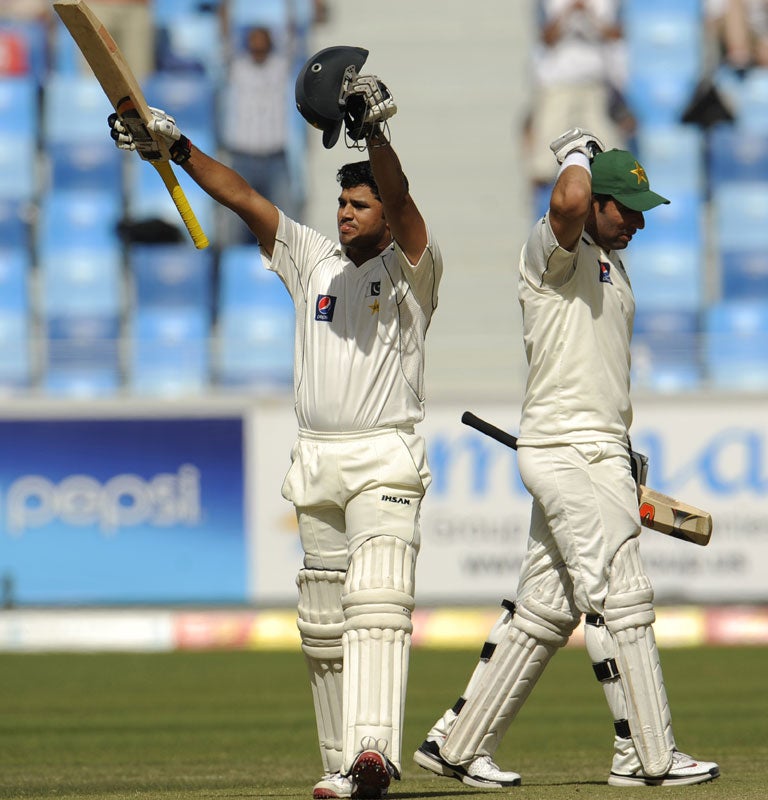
199	238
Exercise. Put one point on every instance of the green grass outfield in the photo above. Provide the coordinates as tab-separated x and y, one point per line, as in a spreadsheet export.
240	725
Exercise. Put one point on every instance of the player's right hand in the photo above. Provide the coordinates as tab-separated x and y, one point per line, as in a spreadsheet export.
162	126
576	140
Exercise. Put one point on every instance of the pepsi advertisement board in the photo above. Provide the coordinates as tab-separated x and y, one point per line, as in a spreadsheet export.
120	511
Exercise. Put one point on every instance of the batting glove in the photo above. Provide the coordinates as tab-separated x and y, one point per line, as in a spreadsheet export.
162	125
576	140
368	104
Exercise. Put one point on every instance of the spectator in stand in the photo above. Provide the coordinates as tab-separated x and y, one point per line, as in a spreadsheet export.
579	74
255	119
738	31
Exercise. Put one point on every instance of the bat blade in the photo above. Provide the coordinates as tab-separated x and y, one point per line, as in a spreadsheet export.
658	512
673	517
124	93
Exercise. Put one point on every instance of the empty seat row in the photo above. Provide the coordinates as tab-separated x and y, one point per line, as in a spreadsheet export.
724	347
170	328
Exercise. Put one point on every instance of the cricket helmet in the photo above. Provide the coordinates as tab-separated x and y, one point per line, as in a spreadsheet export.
320	88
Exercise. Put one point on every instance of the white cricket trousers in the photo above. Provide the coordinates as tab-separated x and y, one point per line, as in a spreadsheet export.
348	488
584	509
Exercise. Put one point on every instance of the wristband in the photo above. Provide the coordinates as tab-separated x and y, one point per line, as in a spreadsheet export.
575	159
182	150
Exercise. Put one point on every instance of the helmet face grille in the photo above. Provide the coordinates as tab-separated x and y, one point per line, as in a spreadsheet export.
319	85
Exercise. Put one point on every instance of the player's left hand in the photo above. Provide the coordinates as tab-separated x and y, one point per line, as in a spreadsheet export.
164	126
369	103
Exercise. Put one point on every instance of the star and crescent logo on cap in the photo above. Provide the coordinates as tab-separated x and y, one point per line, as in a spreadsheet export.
640	172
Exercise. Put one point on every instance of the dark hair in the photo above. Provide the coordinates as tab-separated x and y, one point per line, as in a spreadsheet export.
602	199
358	173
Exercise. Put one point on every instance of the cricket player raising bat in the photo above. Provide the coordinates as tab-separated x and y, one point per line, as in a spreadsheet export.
573	452
359	470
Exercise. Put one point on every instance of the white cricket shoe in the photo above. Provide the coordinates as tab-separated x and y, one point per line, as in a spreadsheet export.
332	786
684	771
482	773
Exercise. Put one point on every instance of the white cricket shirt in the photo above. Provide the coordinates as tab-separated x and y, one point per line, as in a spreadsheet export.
577	336
359	352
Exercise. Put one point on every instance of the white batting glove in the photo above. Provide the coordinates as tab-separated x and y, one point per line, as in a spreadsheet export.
576	140
379	103
162	125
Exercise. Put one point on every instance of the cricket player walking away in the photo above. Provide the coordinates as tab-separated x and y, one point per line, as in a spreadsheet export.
359	470
573	454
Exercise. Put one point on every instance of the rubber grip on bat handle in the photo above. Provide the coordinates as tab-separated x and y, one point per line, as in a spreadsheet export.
468	418
188	217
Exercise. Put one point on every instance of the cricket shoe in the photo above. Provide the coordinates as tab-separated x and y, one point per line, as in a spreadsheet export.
482	772
684	771
371	775
333	786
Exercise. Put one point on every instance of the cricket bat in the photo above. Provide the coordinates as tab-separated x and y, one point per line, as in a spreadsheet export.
657	511
120	86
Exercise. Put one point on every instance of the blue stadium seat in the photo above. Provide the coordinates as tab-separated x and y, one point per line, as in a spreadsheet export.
66	58
14	223
18	173
190	99
75	219
256	323
166	12
169	351
665	351
752	100
664	57
744	274
737	345
15	343
665	275
82	355
19	115
255	349
75	109
172	275
658	95
191	44
267	13
15	319
741	215
89	165
673	157
147	197
245	281
86	282
15	269
736	154
680	222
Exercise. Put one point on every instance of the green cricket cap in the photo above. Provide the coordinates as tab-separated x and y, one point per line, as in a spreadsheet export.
619	174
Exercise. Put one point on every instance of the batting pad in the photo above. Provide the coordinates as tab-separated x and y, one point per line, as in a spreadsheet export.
321	623
629	615
499	630
536	633
377	601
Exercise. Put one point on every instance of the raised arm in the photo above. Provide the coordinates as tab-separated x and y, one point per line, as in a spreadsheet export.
368	106
403	217
571	199
219	181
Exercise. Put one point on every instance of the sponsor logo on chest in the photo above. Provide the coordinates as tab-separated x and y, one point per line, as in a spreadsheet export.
325	305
